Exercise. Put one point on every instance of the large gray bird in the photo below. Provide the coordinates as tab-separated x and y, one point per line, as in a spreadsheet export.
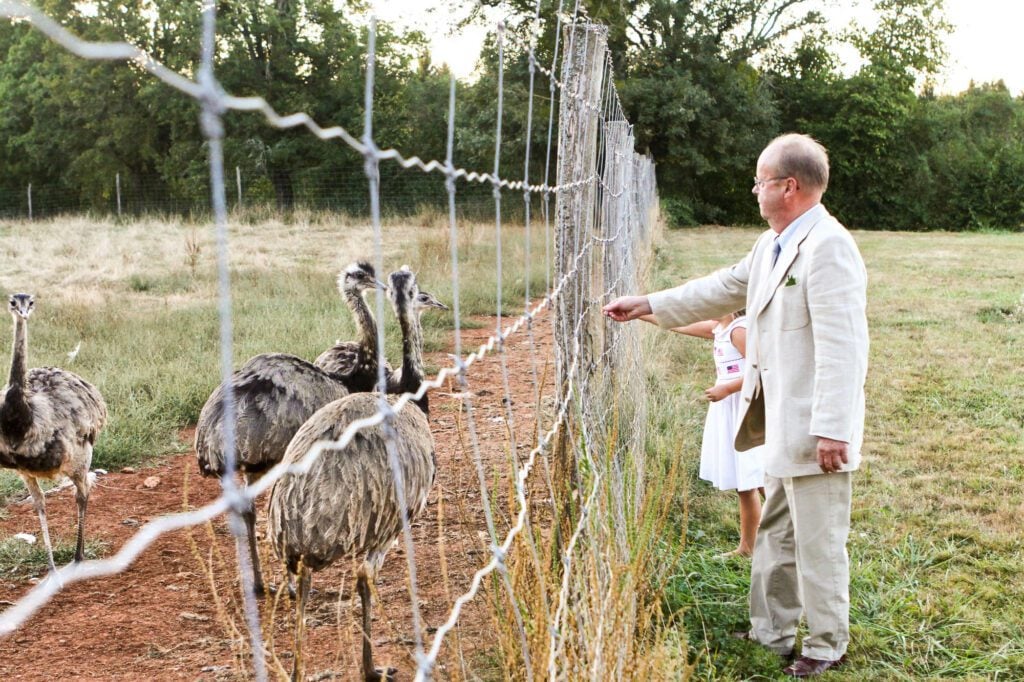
49	421
346	505
355	363
274	394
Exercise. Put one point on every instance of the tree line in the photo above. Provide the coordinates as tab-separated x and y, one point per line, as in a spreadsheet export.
706	82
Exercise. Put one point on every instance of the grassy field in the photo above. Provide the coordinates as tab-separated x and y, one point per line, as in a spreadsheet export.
139	301
936	546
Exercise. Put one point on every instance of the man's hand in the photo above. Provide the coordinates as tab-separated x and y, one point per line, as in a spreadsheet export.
831	454
626	308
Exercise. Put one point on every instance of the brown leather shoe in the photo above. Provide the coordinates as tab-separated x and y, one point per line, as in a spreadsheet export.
810	667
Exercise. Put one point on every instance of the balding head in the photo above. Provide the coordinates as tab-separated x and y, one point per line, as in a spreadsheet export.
801	157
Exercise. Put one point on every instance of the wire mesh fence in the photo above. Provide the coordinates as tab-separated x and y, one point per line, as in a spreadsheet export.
554	509
404	193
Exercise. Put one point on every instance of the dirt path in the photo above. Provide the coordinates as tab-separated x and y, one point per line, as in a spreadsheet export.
175	614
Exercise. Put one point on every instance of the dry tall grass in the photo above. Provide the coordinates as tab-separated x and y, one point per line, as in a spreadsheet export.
78	258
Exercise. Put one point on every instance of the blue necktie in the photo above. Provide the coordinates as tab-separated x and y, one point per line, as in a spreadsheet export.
776	250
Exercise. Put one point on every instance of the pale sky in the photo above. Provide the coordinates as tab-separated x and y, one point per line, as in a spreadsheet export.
985	44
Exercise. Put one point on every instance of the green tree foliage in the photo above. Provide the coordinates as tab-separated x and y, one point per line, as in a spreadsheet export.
687	82
902	160
976	161
706	82
69	125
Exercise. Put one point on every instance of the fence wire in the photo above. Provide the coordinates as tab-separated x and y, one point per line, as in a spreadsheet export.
590	442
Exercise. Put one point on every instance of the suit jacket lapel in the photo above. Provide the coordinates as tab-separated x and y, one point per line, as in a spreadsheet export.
786	258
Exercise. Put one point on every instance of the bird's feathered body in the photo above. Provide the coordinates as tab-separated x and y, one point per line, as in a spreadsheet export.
275	394
64	415
346	504
49	421
350	362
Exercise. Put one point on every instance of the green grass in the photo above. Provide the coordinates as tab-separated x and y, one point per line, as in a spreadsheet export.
18	559
935	547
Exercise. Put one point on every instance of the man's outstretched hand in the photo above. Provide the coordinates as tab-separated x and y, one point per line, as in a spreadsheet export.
626	308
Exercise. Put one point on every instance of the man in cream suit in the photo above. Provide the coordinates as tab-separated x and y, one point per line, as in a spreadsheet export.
804	287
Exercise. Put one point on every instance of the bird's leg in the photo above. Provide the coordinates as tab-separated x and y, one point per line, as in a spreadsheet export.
369	672
82	498
254	554
300	620
40	504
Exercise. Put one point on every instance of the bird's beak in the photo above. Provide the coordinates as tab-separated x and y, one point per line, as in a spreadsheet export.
381	285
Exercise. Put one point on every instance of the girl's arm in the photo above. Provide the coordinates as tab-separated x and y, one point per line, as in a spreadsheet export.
704	330
739	339
721	391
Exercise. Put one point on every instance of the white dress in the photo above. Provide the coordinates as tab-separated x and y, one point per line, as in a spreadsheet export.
720	463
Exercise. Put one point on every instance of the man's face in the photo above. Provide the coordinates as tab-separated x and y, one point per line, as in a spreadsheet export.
768	186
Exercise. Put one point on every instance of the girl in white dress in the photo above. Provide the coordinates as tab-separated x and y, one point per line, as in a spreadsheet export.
720	463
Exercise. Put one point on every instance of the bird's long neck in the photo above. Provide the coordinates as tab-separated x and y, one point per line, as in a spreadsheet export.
16	412
412	353
19	354
365	324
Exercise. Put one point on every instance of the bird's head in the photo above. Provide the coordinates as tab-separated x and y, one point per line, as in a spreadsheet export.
425	300
403	290
359	277
21	305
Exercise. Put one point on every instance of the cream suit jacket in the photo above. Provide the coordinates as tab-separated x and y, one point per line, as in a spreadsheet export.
807	340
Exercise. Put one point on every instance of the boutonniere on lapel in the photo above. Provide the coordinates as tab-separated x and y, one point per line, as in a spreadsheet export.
791	281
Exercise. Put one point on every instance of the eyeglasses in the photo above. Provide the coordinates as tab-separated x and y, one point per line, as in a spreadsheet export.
759	183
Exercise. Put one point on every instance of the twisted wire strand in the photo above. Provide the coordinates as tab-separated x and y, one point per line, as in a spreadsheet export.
213	130
516	611
371	168
528	46
534	375
555	640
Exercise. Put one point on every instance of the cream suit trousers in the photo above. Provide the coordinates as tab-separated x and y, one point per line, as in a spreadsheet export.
800	565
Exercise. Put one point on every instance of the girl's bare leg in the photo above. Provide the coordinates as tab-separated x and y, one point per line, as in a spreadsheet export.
750	518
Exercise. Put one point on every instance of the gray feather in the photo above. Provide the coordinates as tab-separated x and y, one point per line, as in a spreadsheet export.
346	504
274	394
